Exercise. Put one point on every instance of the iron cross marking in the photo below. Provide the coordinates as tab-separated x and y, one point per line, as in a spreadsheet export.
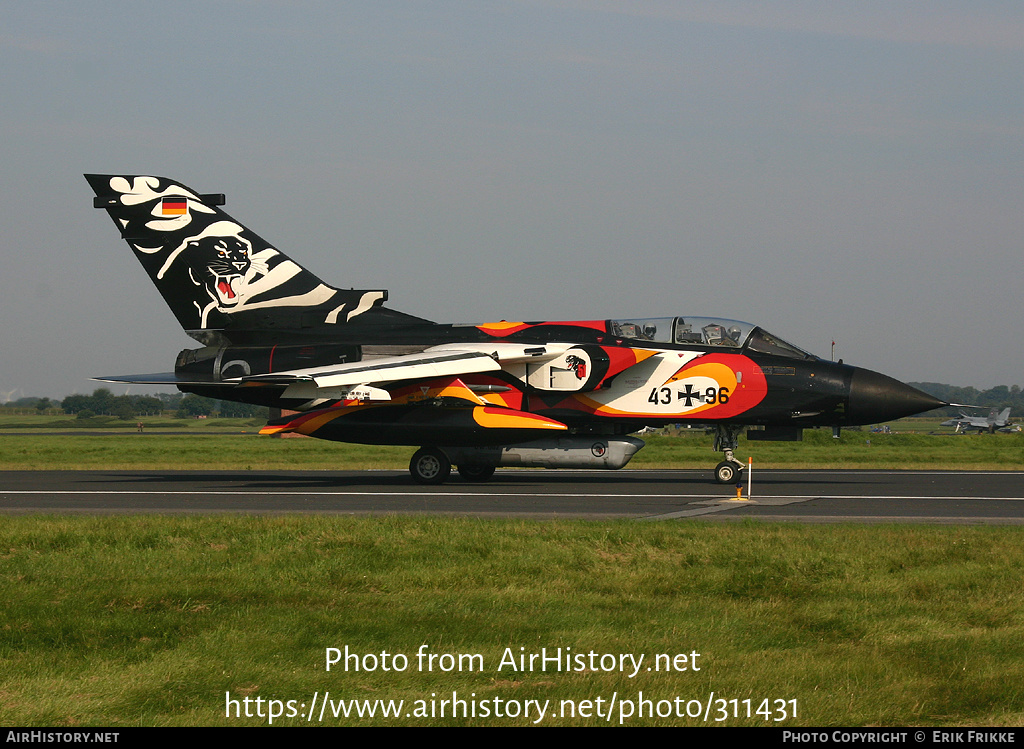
689	394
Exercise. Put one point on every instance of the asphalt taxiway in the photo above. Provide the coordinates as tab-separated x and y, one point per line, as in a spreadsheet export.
968	497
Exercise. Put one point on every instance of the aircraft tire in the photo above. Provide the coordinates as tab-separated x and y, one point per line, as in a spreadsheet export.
726	472
430	466
476	473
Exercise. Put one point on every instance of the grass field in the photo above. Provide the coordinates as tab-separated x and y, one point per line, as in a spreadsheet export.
235	444
121	621
151	621
48	422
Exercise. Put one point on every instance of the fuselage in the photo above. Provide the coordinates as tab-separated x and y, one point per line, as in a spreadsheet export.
607	376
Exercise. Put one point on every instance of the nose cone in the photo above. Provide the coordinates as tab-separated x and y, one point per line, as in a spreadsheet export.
875	397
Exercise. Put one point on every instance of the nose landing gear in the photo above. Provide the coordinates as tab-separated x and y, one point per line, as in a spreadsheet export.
726	441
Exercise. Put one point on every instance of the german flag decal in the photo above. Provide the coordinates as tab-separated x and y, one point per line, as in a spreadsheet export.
174	207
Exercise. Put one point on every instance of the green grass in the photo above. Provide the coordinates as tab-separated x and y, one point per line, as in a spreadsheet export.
819	449
247	450
45	422
119	621
29	443
189	452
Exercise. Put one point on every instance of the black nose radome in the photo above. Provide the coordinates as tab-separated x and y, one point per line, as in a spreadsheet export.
875	397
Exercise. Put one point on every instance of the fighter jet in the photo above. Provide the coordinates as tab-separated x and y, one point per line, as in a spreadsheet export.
992	423
477	396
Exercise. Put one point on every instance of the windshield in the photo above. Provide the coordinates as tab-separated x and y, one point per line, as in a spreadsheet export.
766	343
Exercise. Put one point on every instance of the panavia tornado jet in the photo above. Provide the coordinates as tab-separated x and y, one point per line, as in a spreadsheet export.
551	394
992	423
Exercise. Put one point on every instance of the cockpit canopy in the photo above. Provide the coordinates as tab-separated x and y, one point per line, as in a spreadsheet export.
705	331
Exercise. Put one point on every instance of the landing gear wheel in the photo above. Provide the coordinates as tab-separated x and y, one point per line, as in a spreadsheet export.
726	472
726	440
476	473
430	466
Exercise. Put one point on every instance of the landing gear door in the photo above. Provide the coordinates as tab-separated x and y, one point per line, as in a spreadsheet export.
568	373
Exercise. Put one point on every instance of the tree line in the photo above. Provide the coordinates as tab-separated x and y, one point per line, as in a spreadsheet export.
102	402
999	397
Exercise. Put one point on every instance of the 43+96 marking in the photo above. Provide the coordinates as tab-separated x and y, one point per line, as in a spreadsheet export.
663	396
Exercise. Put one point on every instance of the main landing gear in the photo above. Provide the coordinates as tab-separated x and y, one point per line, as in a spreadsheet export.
476	473
430	465
726	440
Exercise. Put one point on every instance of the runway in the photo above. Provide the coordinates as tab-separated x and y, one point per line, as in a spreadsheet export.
798	496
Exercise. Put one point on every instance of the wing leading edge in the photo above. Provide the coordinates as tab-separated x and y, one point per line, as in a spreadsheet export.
366	380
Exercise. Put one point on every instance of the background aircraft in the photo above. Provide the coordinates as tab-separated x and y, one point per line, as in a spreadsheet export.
991	423
553	394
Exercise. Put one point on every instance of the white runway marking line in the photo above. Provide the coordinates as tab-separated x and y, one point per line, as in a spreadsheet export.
762	498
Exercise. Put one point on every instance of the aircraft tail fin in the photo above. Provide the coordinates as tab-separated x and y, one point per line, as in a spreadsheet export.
213	272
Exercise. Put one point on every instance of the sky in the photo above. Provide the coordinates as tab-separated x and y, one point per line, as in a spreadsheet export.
849	171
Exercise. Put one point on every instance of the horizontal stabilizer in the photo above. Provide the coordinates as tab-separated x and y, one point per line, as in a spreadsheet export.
425	365
159	378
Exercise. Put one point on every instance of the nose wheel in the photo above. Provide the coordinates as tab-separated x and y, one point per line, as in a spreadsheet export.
726	440
726	472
